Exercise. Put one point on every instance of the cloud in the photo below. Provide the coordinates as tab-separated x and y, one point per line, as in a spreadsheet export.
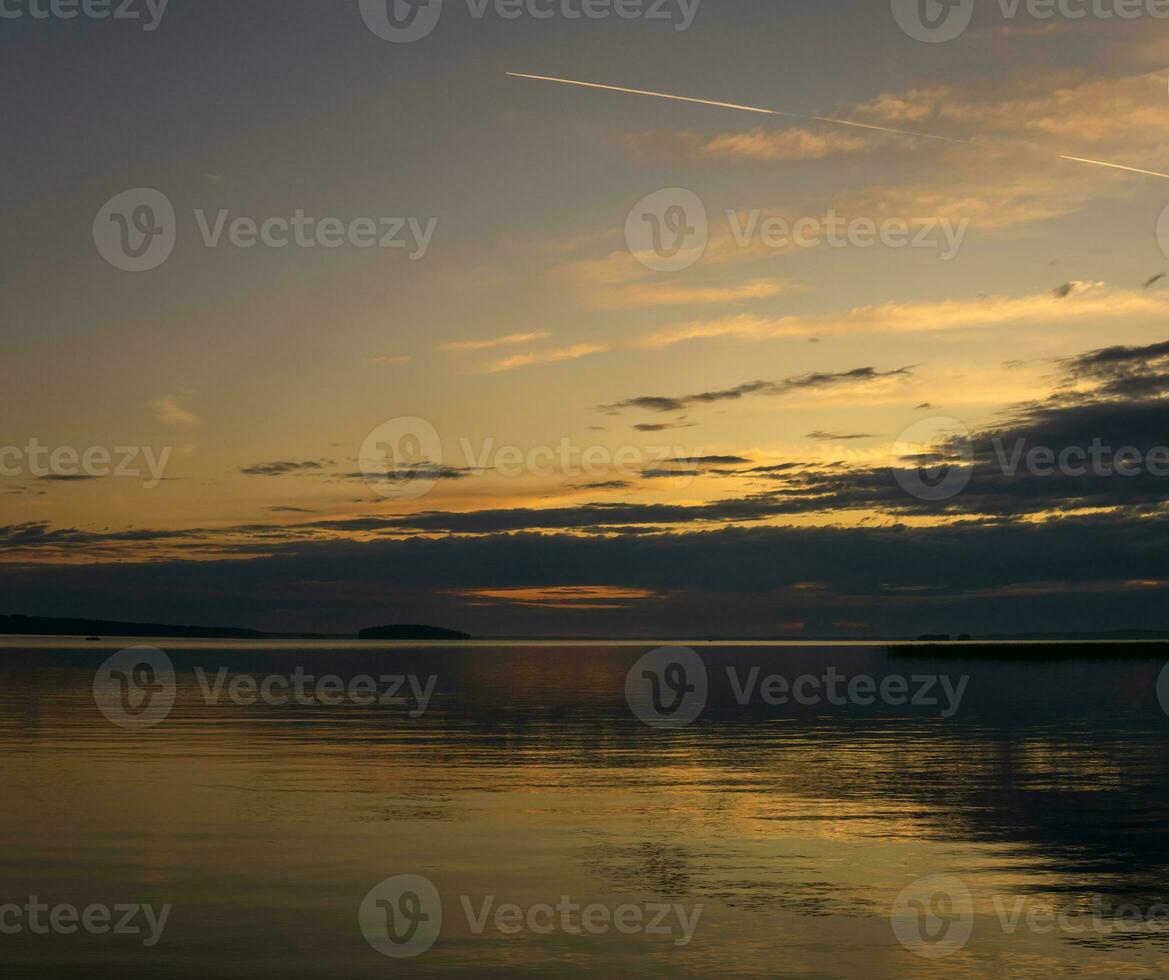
662	426
1009	534
565	596
756	145
414	472
694	466
390	361
1074	288
545	357
602	485
1092	109
508	341
1010	546
284	468
839	437
1013	178
657	403
896	317
709	460
1019	575
168	411
1109	362
650	294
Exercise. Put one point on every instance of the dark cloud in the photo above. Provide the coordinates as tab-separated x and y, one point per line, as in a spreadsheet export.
1019	575
663	473
602	485
663	426
694	466
657	403
284	468
708	460
38	534
838	437
414	472
1121	372
1027	550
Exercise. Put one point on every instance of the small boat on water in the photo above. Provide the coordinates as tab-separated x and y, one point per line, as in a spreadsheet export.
93	639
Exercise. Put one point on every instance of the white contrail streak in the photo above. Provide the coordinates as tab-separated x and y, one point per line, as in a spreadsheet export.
1115	166
824	119
741	108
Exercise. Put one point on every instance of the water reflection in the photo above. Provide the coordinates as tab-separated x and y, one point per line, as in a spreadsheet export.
528	777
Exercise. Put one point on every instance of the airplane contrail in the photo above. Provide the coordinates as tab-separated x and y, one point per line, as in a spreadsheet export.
1115	166
741	108
799	115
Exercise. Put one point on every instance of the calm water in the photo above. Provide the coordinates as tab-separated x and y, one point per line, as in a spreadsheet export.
790	830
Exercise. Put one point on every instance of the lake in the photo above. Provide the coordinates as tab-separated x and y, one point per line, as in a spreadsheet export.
360	810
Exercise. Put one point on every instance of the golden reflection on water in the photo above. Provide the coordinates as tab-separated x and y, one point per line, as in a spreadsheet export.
528	779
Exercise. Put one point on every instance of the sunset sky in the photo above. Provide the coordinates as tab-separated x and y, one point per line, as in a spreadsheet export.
747	405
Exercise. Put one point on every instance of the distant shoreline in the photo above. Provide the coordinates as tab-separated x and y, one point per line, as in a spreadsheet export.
17	625
1006	649
39	626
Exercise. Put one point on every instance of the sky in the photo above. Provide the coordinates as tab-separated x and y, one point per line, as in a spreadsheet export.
619	398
